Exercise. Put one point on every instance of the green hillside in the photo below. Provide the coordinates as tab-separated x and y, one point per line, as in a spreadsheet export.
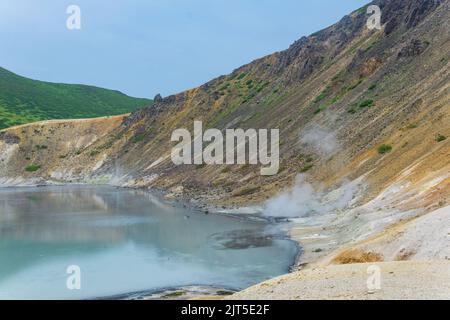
24	100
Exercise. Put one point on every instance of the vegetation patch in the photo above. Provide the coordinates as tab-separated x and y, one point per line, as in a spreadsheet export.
354	85
226	169
93	153
138	138
41	147
322	95
384	148
366	103
224	87
32	168
242	76
370	46
361	10
321	108
306	168
440	138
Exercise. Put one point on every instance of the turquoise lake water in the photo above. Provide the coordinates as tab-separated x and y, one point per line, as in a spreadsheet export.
125	241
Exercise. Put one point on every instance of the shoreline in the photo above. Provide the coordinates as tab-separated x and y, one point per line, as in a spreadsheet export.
400	280
186	292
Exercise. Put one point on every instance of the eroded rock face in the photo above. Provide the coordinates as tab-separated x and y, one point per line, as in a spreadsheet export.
9	138
414	48
418	10
370	66
158	98
407	13
305	55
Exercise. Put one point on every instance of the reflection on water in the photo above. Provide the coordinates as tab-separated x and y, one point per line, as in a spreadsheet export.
125	241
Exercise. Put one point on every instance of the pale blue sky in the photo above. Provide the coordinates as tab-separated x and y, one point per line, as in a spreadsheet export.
144	47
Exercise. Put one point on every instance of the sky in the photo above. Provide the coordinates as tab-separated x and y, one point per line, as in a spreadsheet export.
145	47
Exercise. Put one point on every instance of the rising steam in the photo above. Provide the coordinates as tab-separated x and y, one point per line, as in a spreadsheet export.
322	140
305	200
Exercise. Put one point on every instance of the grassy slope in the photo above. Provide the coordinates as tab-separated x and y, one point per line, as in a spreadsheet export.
24	100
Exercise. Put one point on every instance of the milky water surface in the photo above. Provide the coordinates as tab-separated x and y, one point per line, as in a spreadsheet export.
126	241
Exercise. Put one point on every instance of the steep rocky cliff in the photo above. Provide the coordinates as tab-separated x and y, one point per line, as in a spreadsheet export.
365	88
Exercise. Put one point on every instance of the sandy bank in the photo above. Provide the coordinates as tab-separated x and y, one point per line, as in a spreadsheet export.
399	281
411	248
